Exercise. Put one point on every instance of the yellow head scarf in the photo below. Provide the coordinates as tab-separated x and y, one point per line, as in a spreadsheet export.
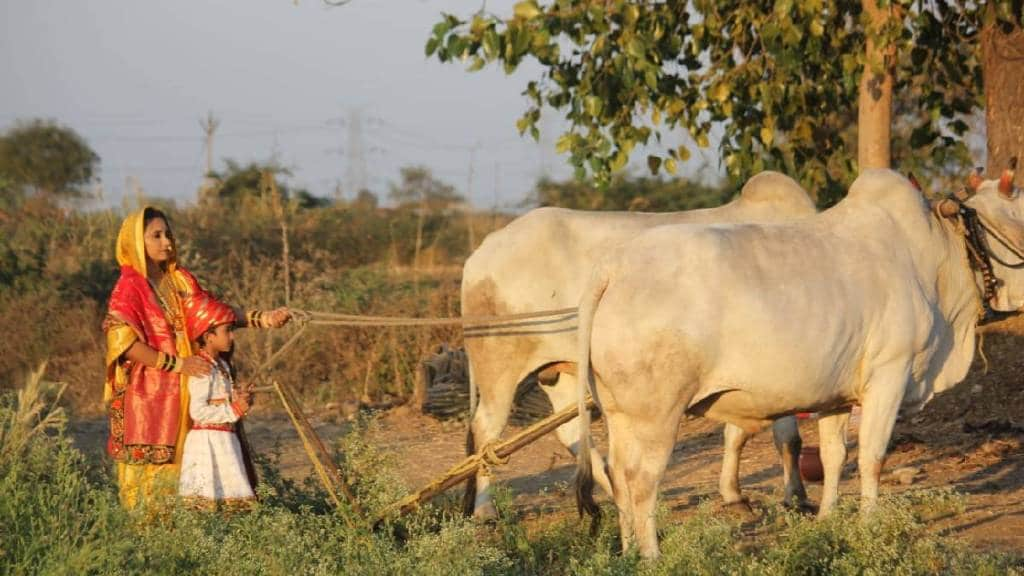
131	243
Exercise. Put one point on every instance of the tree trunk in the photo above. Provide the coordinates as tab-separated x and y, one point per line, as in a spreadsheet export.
874	107
1003	70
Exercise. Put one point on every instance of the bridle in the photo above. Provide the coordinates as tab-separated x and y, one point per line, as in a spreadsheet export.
975	233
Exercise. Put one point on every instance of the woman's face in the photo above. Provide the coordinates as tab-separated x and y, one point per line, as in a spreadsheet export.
159	241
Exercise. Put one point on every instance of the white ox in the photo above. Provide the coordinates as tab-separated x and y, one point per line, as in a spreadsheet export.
540	262
872	302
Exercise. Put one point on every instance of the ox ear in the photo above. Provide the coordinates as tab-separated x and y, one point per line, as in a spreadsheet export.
974	180
1006	180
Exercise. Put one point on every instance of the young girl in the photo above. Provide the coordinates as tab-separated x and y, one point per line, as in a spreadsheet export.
213	470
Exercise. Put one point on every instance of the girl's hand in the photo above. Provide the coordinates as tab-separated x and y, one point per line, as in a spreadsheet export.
242	401
194	366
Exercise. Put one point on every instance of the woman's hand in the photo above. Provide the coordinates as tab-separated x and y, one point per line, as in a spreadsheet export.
195	366
279	317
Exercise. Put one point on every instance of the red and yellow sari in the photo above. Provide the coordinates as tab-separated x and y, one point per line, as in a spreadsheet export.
148	407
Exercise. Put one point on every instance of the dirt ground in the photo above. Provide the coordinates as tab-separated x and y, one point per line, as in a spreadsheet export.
970	438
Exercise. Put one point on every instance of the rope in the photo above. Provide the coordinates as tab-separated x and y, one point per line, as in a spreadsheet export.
333	319
489	458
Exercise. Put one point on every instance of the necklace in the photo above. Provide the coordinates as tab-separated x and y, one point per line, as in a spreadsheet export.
164	291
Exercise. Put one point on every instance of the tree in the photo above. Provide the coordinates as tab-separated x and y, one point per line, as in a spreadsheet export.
365	200
631	193
781	78
1002	46
420	191
238	182
47	159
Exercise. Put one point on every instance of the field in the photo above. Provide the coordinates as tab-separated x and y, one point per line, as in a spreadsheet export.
953	488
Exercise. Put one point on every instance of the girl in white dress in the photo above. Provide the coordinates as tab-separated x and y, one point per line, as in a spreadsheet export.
213	470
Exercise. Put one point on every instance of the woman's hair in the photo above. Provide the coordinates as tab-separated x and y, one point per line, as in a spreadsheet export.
150	214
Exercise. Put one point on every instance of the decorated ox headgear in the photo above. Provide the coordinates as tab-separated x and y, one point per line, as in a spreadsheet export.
203	313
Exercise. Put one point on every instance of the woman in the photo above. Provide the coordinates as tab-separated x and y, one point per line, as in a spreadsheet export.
149	358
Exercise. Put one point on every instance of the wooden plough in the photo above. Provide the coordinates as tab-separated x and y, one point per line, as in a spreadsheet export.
333	478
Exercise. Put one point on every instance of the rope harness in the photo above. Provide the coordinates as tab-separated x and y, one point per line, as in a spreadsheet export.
976	232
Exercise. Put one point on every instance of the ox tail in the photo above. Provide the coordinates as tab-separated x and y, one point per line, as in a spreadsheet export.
469	496
584	471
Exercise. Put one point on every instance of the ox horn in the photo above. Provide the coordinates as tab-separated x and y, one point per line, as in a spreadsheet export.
914	182
945	207
1006	180
974	180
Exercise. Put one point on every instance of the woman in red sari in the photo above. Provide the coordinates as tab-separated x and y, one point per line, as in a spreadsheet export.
149	358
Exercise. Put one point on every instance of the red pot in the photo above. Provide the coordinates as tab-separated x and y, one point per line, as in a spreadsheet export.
811	469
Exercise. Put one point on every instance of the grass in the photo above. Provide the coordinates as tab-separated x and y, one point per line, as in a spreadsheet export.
59	515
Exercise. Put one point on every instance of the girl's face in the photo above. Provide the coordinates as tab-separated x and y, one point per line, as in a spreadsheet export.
220	339
159	241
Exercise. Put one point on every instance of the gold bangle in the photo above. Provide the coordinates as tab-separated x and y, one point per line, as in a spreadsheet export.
161	360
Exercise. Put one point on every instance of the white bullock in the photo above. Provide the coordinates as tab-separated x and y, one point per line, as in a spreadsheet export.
872	302
540	262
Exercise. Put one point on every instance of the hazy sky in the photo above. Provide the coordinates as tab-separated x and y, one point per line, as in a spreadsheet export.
135	77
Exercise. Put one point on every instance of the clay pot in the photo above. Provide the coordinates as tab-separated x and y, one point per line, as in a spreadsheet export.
811	469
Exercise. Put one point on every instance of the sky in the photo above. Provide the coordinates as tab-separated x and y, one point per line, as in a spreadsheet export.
342	96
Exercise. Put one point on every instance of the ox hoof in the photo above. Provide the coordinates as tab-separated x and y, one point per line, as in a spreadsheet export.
740	509
800	505
485	512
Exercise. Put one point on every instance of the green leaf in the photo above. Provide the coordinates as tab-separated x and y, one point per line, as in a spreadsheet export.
564	143
522	124
670	166
477	64
653	164
526	9
431	47
491	44
721	91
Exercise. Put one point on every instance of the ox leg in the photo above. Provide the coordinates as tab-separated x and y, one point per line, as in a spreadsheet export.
786	435
618	456
832	433
497	391
641	448
562	392
729	481
880	407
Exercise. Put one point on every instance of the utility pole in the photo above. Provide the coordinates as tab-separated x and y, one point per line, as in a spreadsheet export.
209	126
339	193
355	172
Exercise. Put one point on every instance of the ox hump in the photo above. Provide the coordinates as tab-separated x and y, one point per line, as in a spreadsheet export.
771	187
879	186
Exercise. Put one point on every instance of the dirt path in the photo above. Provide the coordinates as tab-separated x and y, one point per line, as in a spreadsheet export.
989	469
